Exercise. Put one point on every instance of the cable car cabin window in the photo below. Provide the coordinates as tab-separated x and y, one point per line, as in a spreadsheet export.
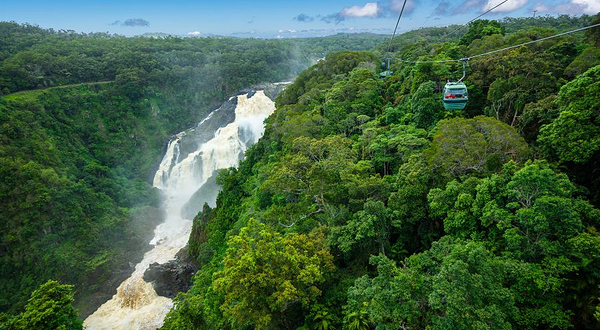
453	93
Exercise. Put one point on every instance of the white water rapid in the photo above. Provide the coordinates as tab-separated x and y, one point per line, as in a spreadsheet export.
136	305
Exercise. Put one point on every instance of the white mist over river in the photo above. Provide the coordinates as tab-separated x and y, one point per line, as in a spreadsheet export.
190	162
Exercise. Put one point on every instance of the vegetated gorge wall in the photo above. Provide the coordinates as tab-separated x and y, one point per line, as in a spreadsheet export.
186	178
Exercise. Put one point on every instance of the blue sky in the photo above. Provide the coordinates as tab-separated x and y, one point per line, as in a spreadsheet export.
268	18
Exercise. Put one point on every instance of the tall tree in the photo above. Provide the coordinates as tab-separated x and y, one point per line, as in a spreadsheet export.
477	145
266	275
480	28
575	135
50	308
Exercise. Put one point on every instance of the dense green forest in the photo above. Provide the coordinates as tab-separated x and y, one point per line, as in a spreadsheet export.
366	205
83	124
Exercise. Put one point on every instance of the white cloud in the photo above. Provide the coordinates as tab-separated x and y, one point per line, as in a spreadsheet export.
507	7
371	9
568	8
590	6
194	33
571	7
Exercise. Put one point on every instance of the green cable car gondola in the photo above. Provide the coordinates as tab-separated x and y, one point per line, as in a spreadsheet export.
387	72
455	94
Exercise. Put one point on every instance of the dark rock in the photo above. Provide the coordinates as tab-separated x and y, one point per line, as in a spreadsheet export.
174	276
251	93
271	90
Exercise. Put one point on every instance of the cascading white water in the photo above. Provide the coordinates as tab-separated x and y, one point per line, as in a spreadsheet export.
136	305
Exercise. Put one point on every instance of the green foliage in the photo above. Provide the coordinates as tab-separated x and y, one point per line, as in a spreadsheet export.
478	145
265	274
529	215
200	234
460	229
34	58
66	190
453	285
592	34
535	115
322	75
562	22
323	320
310	176
49	308
590	57
426	107
509	97
415	228
389	147
188	316
575	135
368	227
357	321
83	120
358	95
480	28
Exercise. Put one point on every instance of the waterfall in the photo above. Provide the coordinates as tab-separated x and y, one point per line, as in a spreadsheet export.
191	159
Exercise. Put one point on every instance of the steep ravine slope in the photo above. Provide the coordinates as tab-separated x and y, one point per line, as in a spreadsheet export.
367	204
192	157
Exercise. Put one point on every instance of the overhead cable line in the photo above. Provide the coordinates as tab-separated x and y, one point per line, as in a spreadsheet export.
396	28
534	41
506	48
402	10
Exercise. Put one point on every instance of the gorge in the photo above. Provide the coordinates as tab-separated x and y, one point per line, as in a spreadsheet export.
186	172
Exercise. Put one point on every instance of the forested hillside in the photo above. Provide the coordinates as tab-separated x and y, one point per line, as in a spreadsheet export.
83	124
368	205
